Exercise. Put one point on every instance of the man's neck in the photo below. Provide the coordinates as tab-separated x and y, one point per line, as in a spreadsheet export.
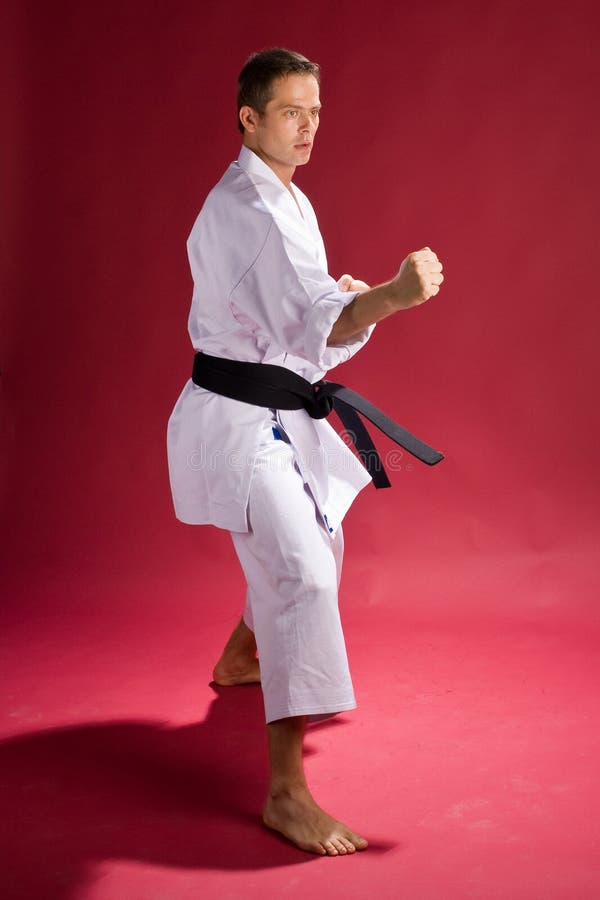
284	173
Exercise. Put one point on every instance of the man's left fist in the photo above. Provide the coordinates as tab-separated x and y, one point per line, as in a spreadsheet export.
348	283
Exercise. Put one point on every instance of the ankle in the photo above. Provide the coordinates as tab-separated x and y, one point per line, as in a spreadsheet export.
288	788
242	639
237	660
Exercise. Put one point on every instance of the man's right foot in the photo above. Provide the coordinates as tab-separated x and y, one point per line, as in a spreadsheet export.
295	815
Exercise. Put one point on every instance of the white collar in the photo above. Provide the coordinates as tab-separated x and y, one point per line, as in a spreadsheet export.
250	162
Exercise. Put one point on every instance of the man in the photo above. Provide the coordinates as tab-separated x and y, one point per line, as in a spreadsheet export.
277	479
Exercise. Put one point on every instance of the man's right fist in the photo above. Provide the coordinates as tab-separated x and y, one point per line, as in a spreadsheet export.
419	278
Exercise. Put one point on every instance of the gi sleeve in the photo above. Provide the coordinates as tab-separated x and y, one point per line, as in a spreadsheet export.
287	296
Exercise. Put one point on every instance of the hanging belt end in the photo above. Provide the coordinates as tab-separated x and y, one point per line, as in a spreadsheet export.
433	458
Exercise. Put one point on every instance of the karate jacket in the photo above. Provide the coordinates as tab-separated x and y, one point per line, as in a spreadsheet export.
261	294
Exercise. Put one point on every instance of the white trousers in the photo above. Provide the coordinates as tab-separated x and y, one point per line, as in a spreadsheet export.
293	567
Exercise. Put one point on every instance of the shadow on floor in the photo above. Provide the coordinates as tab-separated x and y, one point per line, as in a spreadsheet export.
141	791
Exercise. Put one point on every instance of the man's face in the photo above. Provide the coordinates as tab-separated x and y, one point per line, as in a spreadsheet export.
284	134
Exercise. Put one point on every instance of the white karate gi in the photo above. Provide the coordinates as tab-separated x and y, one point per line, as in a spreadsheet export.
262	294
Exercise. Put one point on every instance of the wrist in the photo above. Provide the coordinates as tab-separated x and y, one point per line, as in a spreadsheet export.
398	296
405	298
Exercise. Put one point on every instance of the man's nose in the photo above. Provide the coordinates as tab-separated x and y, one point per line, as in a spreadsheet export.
305	123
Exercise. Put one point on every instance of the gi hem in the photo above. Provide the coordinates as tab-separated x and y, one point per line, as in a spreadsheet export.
314	713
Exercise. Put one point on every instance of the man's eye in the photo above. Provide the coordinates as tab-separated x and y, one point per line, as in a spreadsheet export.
315	112
292	112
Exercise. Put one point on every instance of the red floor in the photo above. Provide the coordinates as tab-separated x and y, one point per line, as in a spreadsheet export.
471	764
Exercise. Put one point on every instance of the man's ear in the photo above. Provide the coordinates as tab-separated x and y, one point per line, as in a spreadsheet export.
249	118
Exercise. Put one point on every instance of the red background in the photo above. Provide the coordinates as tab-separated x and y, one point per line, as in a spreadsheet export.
470	591
465	127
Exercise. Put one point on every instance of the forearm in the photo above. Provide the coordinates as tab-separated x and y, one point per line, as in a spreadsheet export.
418	279
366	309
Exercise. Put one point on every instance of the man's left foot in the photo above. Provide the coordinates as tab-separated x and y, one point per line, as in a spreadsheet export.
238	663
228	673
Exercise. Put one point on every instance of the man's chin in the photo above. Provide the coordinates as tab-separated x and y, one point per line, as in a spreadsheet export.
303	156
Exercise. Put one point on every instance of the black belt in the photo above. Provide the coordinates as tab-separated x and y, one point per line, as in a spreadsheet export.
279	388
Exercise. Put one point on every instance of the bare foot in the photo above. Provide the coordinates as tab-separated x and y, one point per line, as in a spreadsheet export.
243	671
238	663
296	815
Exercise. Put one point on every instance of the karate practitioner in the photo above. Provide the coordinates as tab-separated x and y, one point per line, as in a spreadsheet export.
277	479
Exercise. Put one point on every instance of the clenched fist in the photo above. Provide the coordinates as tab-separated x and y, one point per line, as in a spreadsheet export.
348	283
419	278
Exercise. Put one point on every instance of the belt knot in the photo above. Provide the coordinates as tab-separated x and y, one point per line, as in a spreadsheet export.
321	403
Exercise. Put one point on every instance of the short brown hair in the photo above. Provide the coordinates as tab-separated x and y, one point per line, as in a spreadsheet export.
255	84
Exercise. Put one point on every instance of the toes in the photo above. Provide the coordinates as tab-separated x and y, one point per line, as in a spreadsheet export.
339	846
350	848
359	842
330	849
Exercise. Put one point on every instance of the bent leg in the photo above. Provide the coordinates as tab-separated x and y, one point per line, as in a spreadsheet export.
292	567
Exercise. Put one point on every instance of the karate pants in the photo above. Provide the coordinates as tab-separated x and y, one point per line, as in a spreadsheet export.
293	567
